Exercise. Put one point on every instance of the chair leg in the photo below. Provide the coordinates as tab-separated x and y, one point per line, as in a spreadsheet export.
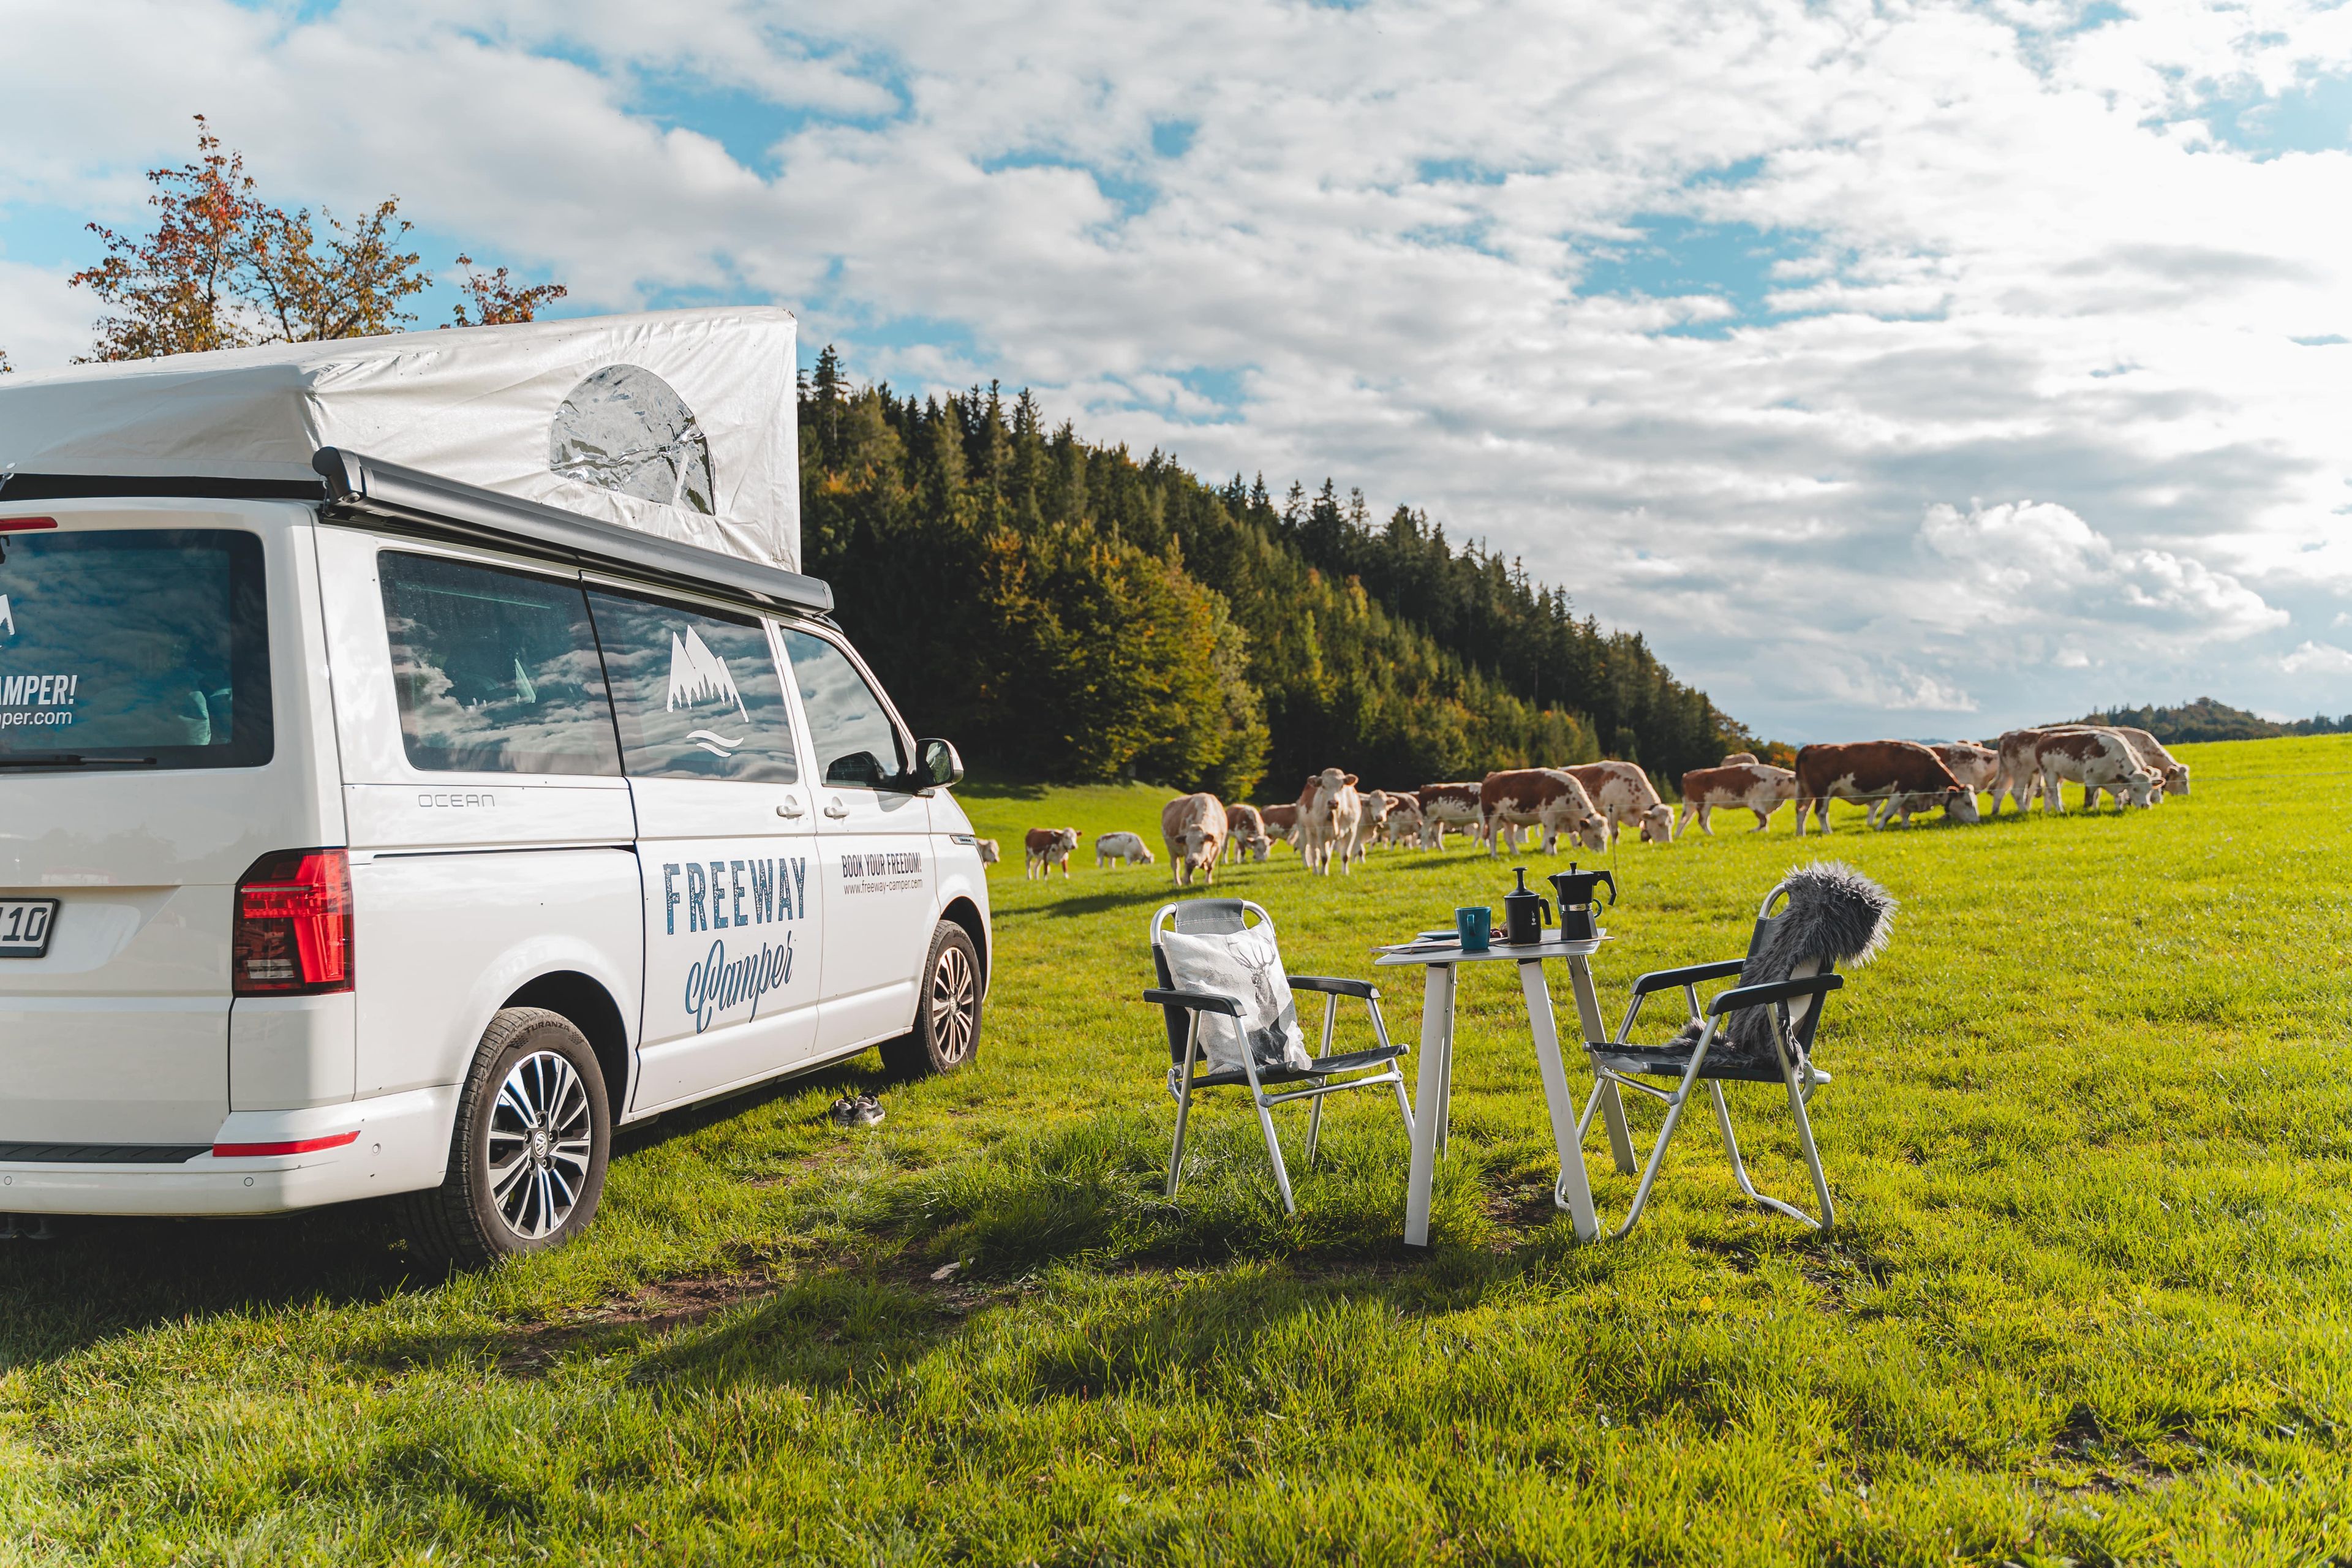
1314	1123
1813	1155
1273	1152
1176	1155
1739	1167
1657	1159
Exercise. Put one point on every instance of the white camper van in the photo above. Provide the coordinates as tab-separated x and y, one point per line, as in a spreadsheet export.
420	756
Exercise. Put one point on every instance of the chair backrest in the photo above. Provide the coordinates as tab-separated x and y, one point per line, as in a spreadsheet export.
1804	1013
1196	917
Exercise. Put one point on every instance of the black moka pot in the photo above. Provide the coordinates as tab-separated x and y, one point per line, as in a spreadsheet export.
1579	914
1524	913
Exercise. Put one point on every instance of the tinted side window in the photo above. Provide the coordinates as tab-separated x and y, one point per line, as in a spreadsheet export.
856	742
696	693
146	642
496	671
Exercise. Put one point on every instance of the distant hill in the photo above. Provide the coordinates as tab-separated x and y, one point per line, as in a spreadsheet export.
2206	720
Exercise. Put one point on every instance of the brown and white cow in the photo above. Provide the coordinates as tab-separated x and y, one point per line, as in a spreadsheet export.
2095	759
1547	798
2017	776
1868	772
1247	837
1405	825
1281	824
1328	827
1372	827
989	852
1049	848
1624	793
1445	805
1733	761
1977	767
1758	788
1193	826
2171	774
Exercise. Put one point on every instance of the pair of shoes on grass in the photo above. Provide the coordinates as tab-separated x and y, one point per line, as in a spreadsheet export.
857	1111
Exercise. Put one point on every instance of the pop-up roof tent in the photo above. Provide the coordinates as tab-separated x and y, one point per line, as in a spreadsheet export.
678	425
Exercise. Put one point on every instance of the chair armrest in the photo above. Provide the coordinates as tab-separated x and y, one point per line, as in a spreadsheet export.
1775	991
1198	1001
1362	989
1689	974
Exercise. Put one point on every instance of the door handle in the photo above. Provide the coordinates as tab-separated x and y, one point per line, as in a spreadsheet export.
835	809
789	807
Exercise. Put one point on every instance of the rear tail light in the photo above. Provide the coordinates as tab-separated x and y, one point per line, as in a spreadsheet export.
25	524
294	924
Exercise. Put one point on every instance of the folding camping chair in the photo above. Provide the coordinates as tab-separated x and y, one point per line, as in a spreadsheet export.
1182	1010
1794	1012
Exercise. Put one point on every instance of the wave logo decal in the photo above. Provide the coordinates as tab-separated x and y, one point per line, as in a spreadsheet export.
698	674
7	620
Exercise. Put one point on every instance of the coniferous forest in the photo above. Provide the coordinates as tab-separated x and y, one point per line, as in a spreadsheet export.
1062	610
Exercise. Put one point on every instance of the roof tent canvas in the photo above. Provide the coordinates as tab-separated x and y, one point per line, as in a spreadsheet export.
678	424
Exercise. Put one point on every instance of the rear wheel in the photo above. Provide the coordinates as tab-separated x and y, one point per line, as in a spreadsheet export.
526	1158
947	1021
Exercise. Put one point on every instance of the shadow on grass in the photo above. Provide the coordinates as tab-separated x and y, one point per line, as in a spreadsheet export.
105	1275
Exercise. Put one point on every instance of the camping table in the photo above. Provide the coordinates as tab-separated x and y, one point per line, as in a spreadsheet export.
1434	1093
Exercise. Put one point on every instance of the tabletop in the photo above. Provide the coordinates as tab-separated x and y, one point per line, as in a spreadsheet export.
1501	951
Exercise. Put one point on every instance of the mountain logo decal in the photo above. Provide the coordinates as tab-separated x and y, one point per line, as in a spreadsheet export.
699	675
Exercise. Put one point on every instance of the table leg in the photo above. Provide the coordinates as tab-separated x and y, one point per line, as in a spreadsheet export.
1429	1099
1573	1192
1613	1108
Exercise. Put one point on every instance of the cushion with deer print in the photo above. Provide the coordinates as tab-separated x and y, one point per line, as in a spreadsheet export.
1245	966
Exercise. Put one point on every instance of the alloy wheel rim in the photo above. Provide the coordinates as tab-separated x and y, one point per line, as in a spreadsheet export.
954	993
541	1136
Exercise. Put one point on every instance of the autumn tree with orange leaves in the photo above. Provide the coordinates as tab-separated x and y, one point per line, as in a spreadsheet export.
223	269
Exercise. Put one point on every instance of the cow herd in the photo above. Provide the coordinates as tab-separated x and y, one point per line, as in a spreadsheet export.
1335	821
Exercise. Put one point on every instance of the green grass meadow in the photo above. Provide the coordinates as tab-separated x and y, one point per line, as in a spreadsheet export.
2089	1136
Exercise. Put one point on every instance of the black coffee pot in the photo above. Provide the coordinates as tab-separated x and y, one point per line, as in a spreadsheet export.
1525	913
1578	911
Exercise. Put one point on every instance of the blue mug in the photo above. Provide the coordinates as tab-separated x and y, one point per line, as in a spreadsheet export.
1475	927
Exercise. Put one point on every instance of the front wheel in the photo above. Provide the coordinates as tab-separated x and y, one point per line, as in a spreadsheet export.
526	1158
947	1021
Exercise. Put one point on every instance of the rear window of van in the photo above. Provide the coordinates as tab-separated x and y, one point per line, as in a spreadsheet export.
134	645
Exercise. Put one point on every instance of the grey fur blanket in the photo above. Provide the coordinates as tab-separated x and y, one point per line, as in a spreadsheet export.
1834	914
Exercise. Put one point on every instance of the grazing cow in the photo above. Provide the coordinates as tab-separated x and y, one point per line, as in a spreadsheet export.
1281	824
1049	848
2016	775
1248	839
1977	767
1757	786
1624	793
1445	805
2169	770
2095	759
1404	817
1868	772
1329	825
2171	775
1124	847
989	852
1194	828
1547	798
1735	760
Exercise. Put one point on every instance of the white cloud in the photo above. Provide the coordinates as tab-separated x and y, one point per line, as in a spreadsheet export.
2013	259
2317	659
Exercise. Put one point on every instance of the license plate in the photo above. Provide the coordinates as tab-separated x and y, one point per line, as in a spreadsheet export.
25	926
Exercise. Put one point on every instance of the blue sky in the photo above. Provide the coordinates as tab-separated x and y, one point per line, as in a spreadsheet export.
1908	368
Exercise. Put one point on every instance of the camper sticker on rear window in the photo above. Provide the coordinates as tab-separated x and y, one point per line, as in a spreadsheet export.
7	618
36	700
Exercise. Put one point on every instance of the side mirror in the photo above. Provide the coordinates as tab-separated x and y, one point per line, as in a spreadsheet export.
937	766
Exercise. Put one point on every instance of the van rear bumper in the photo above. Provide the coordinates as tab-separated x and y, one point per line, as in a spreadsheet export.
392	1143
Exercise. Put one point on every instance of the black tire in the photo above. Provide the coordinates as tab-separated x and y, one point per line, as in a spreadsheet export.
472	1218
946	1035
